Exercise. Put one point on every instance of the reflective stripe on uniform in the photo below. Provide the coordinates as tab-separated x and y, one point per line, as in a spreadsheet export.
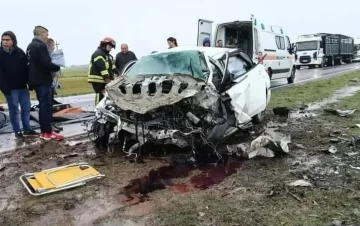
104	72
106	62
95	78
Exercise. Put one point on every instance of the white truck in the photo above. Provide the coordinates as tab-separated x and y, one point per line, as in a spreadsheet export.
257	40
323	49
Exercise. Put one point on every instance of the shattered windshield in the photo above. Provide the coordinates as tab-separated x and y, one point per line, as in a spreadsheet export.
183	62
302	46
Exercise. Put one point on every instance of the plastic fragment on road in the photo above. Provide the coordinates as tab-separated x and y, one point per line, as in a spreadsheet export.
341	113
300	183
60	178
355	167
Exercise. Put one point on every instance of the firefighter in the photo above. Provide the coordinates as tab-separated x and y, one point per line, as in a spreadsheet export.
102	68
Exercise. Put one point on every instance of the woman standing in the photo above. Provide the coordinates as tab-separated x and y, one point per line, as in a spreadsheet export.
172	42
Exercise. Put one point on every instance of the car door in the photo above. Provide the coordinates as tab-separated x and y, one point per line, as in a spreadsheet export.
204	31
248	94
290	53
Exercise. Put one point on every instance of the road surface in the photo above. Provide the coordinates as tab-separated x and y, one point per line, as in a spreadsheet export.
306	74
7	141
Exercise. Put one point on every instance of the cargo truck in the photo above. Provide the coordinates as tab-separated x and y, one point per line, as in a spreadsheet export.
323	49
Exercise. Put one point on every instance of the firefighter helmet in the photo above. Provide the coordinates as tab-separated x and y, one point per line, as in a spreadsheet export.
108	40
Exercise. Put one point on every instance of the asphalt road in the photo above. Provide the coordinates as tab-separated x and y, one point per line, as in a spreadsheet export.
306	74
7	141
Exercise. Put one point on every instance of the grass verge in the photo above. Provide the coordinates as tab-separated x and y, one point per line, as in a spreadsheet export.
311	92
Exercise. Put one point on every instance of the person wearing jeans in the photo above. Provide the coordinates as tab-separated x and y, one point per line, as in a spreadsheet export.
13	83
40	79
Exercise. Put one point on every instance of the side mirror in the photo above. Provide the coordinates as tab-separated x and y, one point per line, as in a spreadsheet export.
226	61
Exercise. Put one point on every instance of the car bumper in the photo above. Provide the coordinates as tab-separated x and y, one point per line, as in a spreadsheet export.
312	61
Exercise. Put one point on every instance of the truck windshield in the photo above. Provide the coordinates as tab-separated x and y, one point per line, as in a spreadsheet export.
187	62
302	46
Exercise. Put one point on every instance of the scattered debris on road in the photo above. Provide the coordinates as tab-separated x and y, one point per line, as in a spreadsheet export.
281	111
341	113
58	179
331	150
300	183
355	167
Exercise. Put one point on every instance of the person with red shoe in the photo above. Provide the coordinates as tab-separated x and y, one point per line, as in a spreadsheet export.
40	79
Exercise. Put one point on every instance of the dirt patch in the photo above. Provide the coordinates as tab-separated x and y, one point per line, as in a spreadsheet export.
253	192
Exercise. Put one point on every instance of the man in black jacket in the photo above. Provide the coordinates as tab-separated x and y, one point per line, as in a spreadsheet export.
40	79
13	83
124	57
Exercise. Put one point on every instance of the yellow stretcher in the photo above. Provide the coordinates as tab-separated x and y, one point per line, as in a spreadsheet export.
60	178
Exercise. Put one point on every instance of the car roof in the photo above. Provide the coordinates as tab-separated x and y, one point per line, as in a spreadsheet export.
213	52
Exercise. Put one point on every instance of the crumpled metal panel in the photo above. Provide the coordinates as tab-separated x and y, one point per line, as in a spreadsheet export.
135	93
240	102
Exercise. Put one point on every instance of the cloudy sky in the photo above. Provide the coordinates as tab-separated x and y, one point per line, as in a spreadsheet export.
79	25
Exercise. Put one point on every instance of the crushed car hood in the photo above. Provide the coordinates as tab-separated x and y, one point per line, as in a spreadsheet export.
141	94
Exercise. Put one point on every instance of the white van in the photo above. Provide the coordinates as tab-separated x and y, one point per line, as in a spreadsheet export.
256	39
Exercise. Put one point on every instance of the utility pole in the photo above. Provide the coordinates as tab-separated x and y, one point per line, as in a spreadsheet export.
59	74
57	45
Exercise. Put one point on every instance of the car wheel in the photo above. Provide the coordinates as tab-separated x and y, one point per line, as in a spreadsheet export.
259	118
269	71
298	67
291	79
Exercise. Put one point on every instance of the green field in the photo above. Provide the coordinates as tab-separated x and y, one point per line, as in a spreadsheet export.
73	82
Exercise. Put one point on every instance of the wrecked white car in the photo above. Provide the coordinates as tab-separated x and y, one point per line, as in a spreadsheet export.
183	97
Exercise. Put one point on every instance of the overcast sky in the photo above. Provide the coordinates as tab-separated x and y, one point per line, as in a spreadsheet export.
79	25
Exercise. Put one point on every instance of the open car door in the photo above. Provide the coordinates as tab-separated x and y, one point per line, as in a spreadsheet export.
204	31
248	92
256	43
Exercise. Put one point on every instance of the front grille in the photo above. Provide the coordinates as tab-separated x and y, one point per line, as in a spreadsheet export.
305	59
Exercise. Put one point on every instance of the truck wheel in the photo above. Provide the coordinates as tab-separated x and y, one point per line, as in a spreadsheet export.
322	63
291	79
338	62
298	67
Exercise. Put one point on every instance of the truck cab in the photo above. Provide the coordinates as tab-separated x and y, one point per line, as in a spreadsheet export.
309	51
263	42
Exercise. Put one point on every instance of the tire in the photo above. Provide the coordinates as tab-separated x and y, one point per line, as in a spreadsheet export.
338	62
269	71
259	118
291	79
298	67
